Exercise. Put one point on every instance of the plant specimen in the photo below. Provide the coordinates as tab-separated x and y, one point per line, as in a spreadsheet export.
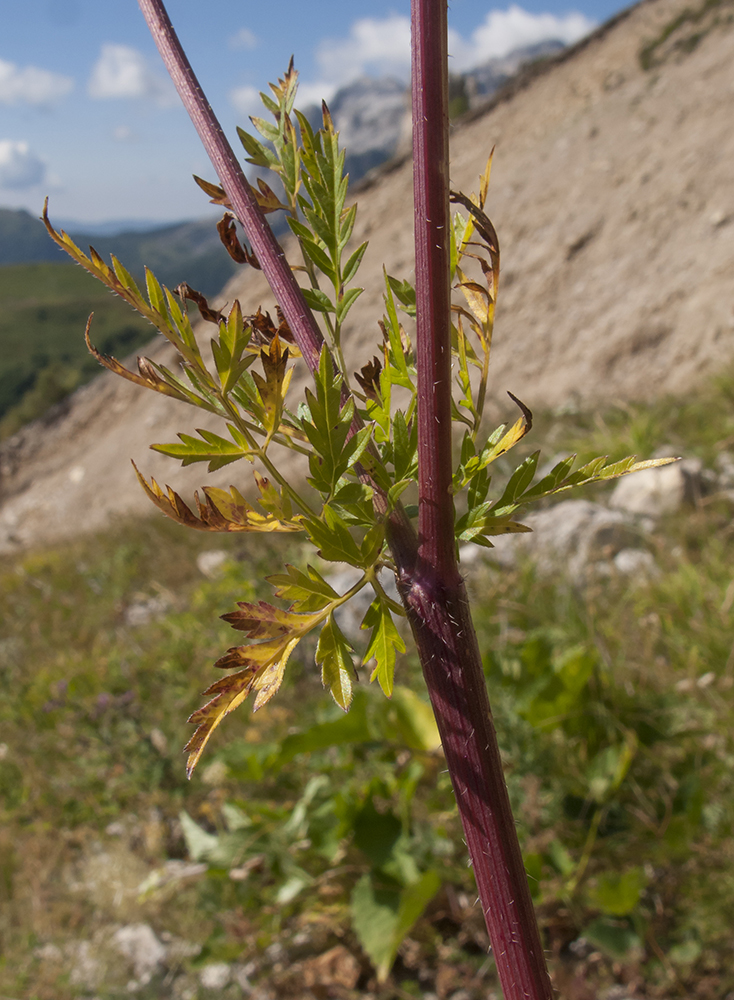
366	441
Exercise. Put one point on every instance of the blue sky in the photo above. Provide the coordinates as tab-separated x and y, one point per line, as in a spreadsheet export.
88	117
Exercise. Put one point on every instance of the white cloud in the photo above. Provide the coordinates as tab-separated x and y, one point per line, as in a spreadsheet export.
123	133
381	47
19	167
505	30
31	85
243	39
123	72
246	101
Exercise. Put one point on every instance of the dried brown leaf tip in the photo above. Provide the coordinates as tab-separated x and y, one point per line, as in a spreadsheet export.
228	235
216	193
267	198
220	511
264	330
149	377
185	291
368	378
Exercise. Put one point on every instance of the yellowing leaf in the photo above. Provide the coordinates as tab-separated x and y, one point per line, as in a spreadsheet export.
228	694
221	511
274	386
268	683
263	620
476	296
264	668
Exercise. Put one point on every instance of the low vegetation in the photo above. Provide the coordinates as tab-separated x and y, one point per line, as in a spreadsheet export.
43	358
312	829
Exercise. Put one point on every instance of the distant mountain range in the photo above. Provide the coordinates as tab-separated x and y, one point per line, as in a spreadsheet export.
373	117
185	251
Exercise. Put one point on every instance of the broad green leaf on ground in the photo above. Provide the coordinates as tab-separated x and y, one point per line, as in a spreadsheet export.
382	915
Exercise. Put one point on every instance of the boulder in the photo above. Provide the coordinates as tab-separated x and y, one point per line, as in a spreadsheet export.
655	492
572	534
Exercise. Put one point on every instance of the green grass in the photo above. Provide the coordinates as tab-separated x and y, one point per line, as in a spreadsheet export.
43	356
613	703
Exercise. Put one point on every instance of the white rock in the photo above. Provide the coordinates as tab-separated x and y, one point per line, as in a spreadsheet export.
241	976
635	563
654	492
49	953
571	534
159	741
146	609
725	466
138	943
215	976
211	563
87	970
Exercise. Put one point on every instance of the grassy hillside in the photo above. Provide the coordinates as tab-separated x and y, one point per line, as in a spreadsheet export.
303	826
43	311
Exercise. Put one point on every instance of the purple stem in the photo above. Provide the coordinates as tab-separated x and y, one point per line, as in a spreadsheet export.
432	589
269	253
438	607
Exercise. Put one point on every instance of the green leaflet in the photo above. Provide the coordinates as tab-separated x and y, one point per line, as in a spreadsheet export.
327	425
332	537
385	642
308	591
488	518
208	447
333	653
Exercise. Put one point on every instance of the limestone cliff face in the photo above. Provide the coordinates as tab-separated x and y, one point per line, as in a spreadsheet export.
612	194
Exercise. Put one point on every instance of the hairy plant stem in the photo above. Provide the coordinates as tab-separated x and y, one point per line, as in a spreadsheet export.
268	251
435	596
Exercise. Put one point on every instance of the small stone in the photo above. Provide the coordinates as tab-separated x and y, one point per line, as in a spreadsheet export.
215	774
144	610
159	741
138	943
49	953
211	563
215	976
241	976
635	563
654	492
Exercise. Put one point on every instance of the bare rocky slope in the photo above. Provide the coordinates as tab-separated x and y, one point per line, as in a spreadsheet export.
613	196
